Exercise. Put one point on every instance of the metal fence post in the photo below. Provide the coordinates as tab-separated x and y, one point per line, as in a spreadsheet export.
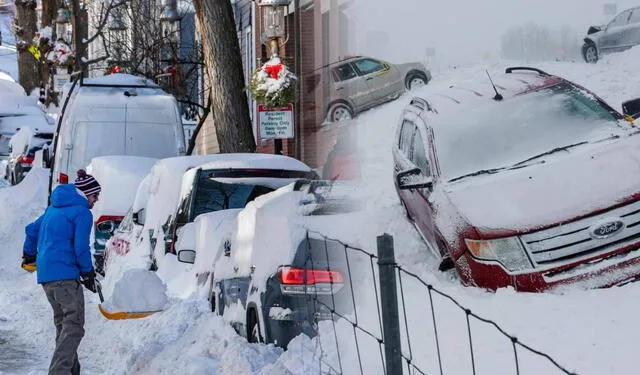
389	305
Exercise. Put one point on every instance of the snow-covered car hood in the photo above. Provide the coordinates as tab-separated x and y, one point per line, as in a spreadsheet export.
563	188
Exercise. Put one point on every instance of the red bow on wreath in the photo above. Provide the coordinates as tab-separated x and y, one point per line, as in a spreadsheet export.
273	70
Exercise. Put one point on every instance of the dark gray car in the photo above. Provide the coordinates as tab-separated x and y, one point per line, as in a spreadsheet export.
623	32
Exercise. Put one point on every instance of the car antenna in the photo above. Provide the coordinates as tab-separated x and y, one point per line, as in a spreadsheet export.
498	96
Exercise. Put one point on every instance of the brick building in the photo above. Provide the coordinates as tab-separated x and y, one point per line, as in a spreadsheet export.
325	34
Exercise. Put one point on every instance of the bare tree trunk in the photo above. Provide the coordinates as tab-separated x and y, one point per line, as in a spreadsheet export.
28	67
229	105
47	18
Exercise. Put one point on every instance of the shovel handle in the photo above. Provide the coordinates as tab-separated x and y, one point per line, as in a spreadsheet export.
99	289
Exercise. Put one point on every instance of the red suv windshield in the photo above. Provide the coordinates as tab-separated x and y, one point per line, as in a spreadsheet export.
499	134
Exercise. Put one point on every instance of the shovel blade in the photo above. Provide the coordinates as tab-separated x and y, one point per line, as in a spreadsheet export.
123	315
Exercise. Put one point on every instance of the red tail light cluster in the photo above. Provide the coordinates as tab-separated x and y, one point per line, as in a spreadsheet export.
25	161
103	221
309	281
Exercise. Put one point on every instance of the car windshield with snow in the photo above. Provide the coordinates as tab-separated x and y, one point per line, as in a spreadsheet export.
533	190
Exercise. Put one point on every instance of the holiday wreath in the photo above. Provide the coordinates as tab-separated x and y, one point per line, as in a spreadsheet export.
273	84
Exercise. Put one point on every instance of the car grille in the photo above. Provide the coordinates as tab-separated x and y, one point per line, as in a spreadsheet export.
572	241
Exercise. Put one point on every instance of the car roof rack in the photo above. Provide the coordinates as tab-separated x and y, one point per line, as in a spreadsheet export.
83	84
526	68
421	103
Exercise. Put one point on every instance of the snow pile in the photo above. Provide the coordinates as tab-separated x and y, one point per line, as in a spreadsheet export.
138	291
19	206
119	177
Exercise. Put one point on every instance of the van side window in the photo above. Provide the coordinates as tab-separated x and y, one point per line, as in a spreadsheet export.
406	133
419	154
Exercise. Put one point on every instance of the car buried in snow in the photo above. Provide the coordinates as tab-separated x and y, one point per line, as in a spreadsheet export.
265	270
180	189
532	183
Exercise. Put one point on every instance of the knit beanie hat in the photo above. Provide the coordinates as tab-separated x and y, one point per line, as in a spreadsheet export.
87	183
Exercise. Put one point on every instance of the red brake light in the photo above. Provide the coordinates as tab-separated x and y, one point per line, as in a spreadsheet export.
298	276
104	218
64	179
26	160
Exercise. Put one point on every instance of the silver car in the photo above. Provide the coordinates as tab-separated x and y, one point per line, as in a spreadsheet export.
621	33
359	83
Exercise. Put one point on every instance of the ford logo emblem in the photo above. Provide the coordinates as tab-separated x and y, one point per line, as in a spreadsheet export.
606	229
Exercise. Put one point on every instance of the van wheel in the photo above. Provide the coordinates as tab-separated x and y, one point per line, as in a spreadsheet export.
253	327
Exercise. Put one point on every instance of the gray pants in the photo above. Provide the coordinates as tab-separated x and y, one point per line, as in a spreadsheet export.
67	300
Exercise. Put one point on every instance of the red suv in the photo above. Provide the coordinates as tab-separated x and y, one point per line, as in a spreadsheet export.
529	181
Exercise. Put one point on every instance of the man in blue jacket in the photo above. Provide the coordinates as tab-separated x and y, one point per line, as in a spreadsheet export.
58	242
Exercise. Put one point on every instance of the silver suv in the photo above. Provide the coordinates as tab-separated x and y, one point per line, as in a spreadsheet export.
359	83
621	33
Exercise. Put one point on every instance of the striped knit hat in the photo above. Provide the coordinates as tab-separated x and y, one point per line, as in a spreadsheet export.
87	183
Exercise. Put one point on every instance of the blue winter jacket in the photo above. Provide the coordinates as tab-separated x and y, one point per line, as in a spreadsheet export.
60	237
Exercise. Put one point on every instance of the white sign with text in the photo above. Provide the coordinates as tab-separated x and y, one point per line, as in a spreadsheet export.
275	123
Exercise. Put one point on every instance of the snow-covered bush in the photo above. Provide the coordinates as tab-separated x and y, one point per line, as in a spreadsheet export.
273	84
532	42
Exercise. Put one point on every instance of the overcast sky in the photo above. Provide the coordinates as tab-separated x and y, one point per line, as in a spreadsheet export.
462	31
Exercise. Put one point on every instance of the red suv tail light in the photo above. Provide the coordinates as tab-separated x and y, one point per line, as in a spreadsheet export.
64	179
309	281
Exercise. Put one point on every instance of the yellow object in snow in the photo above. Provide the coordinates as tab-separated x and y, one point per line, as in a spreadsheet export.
122	315
35	51
31	267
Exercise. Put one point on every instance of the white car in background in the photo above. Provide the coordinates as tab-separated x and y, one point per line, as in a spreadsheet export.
16	112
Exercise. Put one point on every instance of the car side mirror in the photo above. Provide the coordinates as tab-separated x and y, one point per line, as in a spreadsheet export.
139	217
187	256
631	108
413	179
106	227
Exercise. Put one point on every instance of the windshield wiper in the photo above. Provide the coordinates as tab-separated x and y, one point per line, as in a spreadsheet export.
553	151
478	173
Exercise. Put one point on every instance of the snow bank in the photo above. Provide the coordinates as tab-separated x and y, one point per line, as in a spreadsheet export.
119	177
19	205
138	291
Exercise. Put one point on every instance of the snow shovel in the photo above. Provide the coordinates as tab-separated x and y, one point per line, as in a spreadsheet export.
119	315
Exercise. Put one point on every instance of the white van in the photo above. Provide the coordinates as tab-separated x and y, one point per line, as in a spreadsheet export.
117	114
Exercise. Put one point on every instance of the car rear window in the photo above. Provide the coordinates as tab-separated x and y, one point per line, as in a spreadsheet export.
212	195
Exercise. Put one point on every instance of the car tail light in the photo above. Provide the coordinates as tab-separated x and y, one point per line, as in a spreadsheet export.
309	281
107	224
25	161
64	179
